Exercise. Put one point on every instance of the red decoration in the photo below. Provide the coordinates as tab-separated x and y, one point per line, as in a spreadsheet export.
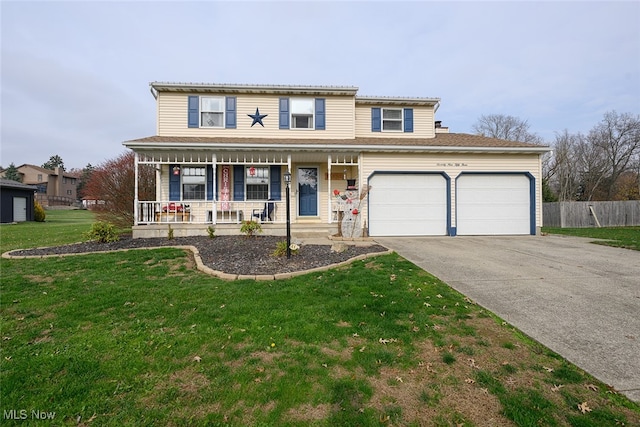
252	171
355	211
173	208
176	170
336	192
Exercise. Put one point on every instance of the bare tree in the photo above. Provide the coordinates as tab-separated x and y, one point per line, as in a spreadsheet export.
562	168
618	138
505	127
113	183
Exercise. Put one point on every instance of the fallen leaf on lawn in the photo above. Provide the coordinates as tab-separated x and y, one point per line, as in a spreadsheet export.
6	338
362	349
399	379
469	381
439	296
257	380
415	329
547	369
472	363
556	387
222	306
93	417
505	363
393	277
427	304
197	359
355	335
324	365
592	387
583	407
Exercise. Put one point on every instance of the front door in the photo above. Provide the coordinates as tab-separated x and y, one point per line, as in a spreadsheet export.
307	191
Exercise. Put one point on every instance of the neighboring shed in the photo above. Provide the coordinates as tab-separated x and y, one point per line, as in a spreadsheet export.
16	201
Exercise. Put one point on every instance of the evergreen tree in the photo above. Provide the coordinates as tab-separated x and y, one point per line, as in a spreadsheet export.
54	162
12	173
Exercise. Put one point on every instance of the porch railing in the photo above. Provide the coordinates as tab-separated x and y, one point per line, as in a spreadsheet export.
208	212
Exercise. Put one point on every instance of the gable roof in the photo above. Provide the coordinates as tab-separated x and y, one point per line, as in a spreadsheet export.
45	170
443	142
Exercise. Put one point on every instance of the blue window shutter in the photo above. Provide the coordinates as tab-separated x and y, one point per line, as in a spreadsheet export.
209	182
284	113
276	183
238	182
376	120
408	119
194	111
231	112
320	114
174	184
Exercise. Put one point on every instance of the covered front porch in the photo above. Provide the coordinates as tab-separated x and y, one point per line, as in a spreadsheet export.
199	191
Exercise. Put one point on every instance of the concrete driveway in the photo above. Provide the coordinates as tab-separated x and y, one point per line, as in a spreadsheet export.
579	299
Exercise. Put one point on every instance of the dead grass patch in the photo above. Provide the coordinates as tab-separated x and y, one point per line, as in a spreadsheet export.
308	412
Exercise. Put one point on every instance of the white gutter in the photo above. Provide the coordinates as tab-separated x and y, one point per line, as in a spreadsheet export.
329	147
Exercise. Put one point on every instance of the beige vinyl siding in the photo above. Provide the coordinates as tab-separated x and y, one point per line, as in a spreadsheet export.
423	123
453	164
172	118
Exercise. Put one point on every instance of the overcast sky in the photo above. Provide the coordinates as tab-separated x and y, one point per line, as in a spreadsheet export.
75	75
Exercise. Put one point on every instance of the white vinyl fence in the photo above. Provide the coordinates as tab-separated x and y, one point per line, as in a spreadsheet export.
591	214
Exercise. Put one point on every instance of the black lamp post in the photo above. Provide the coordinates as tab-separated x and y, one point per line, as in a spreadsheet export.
287	179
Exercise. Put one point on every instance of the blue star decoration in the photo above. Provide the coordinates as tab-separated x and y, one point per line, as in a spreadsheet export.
257	117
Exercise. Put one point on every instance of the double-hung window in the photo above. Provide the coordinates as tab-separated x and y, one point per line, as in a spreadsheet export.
302	111
193	183
392	119
212	112
257	182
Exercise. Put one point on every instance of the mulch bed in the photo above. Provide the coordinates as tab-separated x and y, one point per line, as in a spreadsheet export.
230	254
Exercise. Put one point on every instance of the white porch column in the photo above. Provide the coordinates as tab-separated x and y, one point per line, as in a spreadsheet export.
136	160
214	160
329	189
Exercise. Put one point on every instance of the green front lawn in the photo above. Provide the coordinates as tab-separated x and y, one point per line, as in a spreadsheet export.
623	237
141	338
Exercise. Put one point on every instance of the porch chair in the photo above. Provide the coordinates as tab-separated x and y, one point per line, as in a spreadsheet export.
265	214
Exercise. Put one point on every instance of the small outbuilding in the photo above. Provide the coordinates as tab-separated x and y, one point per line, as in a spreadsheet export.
16	201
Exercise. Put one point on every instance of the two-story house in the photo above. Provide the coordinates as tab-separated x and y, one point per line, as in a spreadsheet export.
55	187
378	166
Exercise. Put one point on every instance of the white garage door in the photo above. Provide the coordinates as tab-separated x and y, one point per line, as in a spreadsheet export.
493	204
408	205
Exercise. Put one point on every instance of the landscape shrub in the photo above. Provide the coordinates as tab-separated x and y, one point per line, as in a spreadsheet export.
39	213
103	232
250	228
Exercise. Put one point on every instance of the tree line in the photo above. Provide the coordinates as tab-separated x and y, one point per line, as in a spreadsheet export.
603	164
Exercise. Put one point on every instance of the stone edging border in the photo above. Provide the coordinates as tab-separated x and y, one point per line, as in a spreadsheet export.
216	273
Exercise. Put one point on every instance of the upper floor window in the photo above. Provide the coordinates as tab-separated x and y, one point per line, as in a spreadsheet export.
64	180
302	113
212	112
193	183
257	182
39	177
392	119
